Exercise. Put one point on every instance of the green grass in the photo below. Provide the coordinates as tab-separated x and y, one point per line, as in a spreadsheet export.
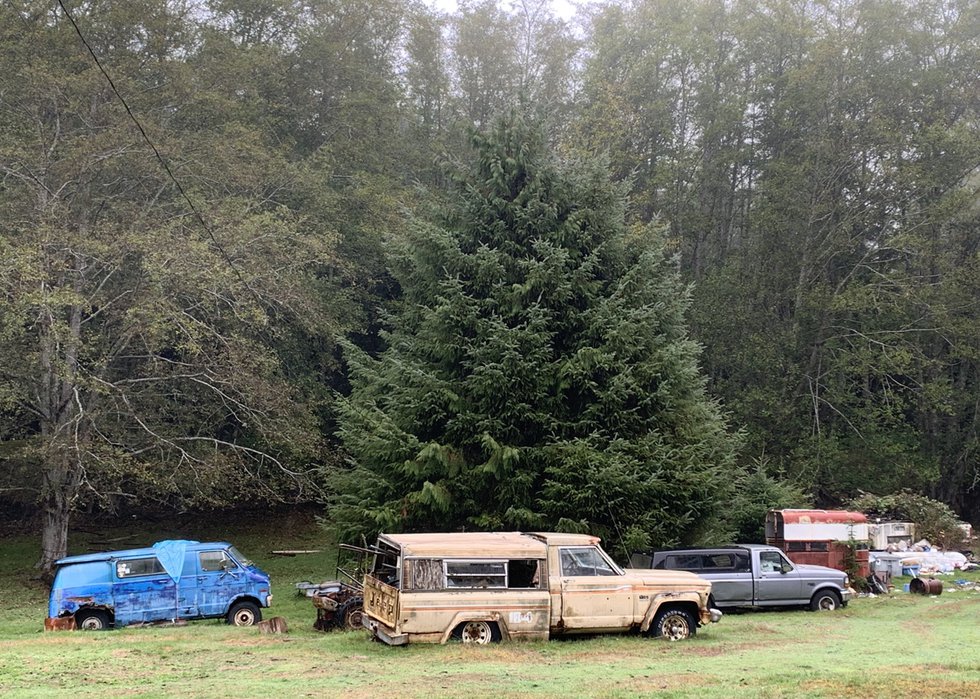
894	646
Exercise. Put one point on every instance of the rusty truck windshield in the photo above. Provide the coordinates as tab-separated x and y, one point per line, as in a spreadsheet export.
586	560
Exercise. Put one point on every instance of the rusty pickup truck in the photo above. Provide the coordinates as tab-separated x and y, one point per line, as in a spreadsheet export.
486	587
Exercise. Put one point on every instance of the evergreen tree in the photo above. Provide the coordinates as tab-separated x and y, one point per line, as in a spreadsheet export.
539	372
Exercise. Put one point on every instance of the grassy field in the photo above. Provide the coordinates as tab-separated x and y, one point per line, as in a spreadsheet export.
895	646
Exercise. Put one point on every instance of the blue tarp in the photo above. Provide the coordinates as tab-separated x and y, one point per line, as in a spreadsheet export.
171	555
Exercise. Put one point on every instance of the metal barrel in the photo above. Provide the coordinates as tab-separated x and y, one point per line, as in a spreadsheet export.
926	586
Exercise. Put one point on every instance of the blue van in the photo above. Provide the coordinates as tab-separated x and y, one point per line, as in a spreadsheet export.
170	580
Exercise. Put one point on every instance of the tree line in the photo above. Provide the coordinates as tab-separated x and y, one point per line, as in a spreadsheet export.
645	273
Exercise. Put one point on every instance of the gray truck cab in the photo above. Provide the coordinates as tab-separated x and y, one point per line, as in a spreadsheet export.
754	575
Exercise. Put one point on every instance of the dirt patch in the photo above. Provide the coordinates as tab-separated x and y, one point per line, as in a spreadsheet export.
895	688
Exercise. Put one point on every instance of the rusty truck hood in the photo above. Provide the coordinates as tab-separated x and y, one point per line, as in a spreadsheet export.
676	579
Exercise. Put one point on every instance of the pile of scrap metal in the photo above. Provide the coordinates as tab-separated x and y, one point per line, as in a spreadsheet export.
339	603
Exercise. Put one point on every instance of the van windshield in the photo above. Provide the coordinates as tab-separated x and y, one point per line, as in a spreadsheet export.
237	555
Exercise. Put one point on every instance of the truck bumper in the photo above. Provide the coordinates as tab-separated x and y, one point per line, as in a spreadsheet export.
715	615
846	595
384	633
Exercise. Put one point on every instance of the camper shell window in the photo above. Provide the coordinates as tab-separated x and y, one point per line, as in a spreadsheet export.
476	573
471	574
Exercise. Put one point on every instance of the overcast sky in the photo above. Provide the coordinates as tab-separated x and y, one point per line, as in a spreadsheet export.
562	8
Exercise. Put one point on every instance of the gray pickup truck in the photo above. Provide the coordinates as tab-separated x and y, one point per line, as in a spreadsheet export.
753	575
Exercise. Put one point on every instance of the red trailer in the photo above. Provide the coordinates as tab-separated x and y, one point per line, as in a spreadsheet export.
821	537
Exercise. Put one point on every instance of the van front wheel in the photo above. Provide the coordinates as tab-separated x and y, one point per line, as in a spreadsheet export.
478	632
244	614
92	620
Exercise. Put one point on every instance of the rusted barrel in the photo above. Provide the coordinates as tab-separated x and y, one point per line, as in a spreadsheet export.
926	586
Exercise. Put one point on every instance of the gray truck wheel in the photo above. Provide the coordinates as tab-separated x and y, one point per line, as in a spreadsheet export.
825	601
674	624
92	620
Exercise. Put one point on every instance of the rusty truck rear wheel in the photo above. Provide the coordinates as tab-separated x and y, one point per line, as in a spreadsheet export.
674	624
478	632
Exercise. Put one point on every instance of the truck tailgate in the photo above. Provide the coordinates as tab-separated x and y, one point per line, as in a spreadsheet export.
380	601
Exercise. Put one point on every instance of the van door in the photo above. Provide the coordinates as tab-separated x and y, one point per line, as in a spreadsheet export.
187	587
219	580
143	591
594	595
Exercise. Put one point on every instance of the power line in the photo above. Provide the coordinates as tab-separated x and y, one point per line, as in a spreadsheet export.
163	162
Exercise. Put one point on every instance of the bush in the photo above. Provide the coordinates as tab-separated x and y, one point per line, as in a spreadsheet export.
934	520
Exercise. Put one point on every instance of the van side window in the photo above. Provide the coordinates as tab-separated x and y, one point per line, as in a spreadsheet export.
83	574
215	561
132	567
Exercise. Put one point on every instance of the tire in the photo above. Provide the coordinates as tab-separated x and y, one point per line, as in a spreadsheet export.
825	601
244	614
478	633
674	624
349	614
92	620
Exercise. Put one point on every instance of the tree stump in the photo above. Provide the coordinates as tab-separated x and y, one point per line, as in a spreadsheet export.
276	624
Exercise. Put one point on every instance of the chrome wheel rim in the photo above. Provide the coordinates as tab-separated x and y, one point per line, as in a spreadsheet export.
244	617
674	627
827	604
477	632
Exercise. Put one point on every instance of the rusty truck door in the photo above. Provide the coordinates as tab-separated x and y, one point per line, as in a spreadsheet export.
594	595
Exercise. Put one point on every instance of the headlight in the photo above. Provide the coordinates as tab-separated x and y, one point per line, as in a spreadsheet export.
847	581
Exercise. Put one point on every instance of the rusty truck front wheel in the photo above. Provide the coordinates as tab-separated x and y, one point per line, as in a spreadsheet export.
478	633
674	624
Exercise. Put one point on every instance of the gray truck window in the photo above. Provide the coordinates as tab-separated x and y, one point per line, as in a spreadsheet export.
686	561
718	561
770	562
